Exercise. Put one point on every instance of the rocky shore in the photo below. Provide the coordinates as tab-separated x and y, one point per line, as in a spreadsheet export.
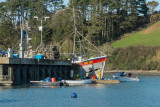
134	72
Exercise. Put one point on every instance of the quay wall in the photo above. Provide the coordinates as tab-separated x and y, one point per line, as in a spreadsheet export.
23	70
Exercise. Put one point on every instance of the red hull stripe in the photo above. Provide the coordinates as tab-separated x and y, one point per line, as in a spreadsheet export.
92	61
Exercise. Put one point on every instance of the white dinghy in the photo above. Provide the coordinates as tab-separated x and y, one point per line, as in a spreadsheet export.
78	82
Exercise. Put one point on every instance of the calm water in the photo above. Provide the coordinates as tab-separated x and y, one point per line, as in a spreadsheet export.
145	93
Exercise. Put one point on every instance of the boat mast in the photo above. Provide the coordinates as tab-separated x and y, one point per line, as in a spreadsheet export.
75	29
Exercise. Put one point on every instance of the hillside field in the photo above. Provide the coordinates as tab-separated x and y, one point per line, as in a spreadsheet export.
147	37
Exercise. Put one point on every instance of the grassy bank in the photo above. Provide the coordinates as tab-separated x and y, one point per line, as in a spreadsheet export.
135	58
138	51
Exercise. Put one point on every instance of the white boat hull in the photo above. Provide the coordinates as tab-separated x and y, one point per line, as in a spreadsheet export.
79	82
123	79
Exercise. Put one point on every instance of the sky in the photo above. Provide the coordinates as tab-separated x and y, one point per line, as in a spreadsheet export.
158	8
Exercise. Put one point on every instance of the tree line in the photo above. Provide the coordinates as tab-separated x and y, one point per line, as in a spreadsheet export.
100	21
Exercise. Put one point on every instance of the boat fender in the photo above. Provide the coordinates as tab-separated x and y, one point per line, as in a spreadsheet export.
74	95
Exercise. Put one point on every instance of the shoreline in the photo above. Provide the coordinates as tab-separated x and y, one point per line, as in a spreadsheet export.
134	72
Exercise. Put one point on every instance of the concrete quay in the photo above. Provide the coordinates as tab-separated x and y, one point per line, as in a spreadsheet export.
22	70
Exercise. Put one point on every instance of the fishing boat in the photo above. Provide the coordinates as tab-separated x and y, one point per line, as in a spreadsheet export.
78	82
83	65
121	76
93	65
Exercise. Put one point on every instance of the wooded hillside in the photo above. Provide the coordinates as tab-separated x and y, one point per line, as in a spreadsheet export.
100	21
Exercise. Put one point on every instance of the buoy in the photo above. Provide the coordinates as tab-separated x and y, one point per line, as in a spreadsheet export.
74	95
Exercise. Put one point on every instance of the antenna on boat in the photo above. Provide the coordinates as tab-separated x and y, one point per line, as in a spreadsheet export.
78	35
75	29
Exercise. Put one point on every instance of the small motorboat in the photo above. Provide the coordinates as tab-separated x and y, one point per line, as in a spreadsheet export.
123	79
47	82
42	83
121	76
78	82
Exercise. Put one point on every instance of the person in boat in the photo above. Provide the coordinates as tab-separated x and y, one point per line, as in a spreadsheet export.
94	76
129	74
77	77
99	74
56	53
87	76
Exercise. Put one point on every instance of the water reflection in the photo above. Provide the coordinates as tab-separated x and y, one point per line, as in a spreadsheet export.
93	85
9	101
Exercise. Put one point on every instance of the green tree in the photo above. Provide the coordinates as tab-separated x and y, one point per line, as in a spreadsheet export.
2	11
62	25
8	35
